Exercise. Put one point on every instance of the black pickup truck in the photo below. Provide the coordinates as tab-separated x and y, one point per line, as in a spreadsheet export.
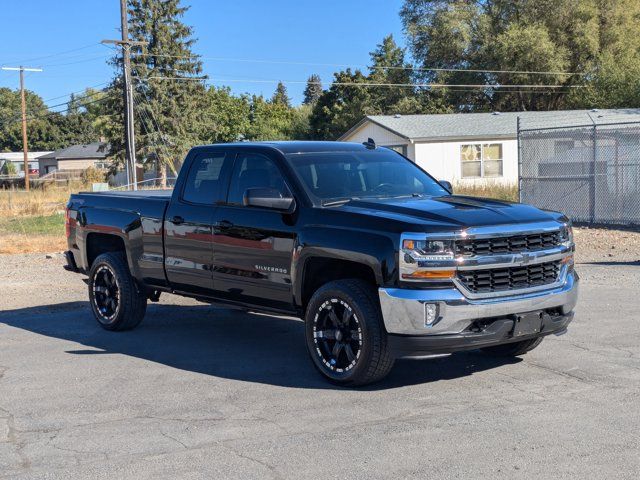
379	259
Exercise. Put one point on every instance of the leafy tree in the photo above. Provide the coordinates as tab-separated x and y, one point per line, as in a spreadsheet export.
9	168
343	105
46	130
269	120
299	129
313	90
225	117
354	95
280	95
388	66
591	39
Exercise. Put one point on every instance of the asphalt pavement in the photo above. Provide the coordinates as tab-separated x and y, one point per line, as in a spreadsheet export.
204	392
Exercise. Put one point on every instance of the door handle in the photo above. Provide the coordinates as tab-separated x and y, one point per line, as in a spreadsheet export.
177	220
224	224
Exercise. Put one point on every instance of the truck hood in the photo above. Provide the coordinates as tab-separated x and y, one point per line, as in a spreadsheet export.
450	211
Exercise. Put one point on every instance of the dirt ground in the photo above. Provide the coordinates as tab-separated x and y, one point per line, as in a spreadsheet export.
603	244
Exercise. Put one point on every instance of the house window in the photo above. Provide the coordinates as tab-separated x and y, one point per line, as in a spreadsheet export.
402	149
481	160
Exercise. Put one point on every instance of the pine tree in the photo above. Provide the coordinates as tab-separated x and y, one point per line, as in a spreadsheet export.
167	109
313	90
280	96
388	67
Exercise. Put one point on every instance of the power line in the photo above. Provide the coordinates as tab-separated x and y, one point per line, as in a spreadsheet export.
57	54
49	107
90	59
365	84
345	65
49	114
73	93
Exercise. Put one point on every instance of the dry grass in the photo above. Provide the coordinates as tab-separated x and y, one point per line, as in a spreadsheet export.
496	190
38	201
20	243
32	222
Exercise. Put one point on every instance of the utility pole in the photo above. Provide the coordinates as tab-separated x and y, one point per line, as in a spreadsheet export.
130	141
23	101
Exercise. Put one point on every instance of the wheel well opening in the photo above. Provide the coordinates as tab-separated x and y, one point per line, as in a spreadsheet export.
99	243
319	271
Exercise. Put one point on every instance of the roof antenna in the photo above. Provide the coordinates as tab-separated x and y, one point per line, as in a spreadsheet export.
370	144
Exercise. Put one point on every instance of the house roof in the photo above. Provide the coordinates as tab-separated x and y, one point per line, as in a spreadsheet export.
490	125
97	150
19	156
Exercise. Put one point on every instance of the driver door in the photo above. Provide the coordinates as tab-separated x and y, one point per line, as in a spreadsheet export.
253	246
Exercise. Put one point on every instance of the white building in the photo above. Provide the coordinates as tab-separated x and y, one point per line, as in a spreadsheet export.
471	147
17	159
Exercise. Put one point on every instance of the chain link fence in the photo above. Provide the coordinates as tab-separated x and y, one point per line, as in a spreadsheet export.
589	172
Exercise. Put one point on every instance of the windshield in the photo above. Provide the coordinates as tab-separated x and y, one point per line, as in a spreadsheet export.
379	173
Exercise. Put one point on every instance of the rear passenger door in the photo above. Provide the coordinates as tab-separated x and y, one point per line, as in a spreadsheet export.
253	246
188	222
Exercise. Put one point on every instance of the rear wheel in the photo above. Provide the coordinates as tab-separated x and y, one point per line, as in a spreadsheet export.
513	349
115	300
345	336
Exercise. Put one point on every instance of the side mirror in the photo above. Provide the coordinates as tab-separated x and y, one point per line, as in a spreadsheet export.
447	185
268	198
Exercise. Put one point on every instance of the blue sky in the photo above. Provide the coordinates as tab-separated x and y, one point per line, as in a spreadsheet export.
300	32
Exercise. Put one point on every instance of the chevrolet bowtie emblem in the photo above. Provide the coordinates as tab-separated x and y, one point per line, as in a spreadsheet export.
526	258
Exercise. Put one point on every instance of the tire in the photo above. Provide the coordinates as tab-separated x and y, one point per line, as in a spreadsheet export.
115	299
513	349
346	312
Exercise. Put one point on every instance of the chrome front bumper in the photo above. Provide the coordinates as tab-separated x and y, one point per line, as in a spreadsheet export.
403	310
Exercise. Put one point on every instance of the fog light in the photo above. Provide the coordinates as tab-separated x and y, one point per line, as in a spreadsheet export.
430	314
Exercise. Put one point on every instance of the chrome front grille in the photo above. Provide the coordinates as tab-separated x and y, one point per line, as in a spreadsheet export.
512	278
509	244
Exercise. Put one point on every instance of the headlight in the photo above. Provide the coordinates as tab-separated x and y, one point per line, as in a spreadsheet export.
423	259
566	235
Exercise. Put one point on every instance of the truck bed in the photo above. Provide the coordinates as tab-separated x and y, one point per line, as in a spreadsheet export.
165	193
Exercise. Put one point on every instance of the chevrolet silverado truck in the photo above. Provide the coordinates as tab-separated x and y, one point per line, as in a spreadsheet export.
379	259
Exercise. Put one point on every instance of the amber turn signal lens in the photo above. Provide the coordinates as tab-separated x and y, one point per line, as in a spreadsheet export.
567	260
429	274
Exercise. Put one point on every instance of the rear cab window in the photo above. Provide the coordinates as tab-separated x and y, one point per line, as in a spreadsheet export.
206	180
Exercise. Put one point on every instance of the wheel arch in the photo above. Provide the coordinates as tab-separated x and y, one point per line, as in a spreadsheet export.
319	270
109	230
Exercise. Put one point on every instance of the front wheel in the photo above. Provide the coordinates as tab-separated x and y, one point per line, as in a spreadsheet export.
345	334
115	300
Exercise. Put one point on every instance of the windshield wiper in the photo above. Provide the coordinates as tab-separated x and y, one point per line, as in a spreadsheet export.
338	201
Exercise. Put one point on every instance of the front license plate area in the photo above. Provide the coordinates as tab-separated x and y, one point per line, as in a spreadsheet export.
527	323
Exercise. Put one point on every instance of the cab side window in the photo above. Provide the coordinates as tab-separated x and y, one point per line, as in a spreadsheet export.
205	181
254	170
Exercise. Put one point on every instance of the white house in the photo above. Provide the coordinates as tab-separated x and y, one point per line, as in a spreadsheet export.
471	147
17	159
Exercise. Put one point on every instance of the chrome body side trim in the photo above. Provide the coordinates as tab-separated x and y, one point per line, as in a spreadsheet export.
403	310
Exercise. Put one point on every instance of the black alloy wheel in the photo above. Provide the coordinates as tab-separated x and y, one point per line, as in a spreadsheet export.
106	294
337	335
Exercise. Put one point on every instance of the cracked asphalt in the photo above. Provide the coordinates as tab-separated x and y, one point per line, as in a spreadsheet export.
204	392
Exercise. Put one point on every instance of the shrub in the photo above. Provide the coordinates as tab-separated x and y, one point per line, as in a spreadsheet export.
93	175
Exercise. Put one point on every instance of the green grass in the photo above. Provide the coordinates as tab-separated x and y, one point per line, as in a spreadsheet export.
39	225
